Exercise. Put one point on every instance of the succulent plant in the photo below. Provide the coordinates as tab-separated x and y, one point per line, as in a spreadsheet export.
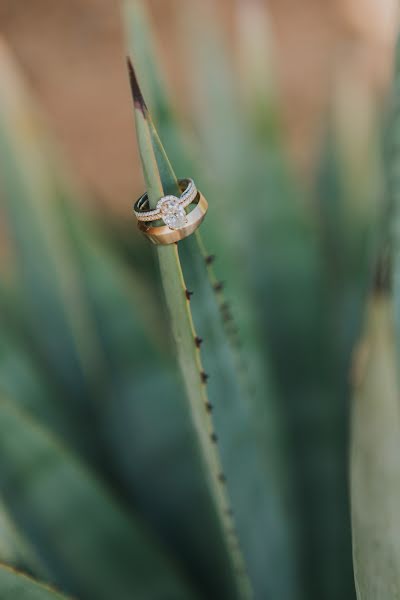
174	420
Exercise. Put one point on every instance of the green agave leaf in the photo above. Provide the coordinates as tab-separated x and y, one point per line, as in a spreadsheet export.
349	191
245	429
391	223
16	585
348	201
51	273
375	473
280	256
181	153
15	551
21	374
9	550
238	174
255	56
91	546
25	375
248	449
132	441
160	180
147	423
50	306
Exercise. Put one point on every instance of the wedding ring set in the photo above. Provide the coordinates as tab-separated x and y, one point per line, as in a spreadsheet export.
177	217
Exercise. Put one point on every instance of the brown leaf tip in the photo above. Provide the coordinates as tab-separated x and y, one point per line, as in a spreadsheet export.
137	95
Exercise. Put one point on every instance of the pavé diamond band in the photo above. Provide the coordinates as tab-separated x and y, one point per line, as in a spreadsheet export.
170	209
163	234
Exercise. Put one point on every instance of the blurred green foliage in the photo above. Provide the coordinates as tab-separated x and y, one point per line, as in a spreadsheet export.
104	489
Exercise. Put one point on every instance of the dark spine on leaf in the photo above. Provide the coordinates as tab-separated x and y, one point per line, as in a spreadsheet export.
204	377
210	259
214	438
188	294
383	273
137	95
198	341
226	312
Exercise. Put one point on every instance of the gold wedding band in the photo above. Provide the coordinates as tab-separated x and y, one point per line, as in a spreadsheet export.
164	235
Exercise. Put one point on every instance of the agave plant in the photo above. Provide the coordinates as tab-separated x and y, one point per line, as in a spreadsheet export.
217	469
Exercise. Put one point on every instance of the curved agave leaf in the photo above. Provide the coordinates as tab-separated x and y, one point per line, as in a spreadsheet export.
161	180
91	545
15	551
248	449
50	306
280	254
17	585
132	443
375	472
392	222
245	429
20	379
349	191
147	423
257	73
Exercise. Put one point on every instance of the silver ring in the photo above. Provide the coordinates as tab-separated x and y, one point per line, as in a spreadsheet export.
169	208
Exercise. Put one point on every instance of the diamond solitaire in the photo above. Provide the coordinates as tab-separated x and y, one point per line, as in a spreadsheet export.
169	208
172	212
176	223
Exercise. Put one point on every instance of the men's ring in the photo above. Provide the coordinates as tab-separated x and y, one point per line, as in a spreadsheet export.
171	210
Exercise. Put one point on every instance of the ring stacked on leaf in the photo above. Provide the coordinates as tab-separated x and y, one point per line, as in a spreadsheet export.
176	223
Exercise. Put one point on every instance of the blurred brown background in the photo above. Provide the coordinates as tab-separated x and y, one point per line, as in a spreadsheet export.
73	54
